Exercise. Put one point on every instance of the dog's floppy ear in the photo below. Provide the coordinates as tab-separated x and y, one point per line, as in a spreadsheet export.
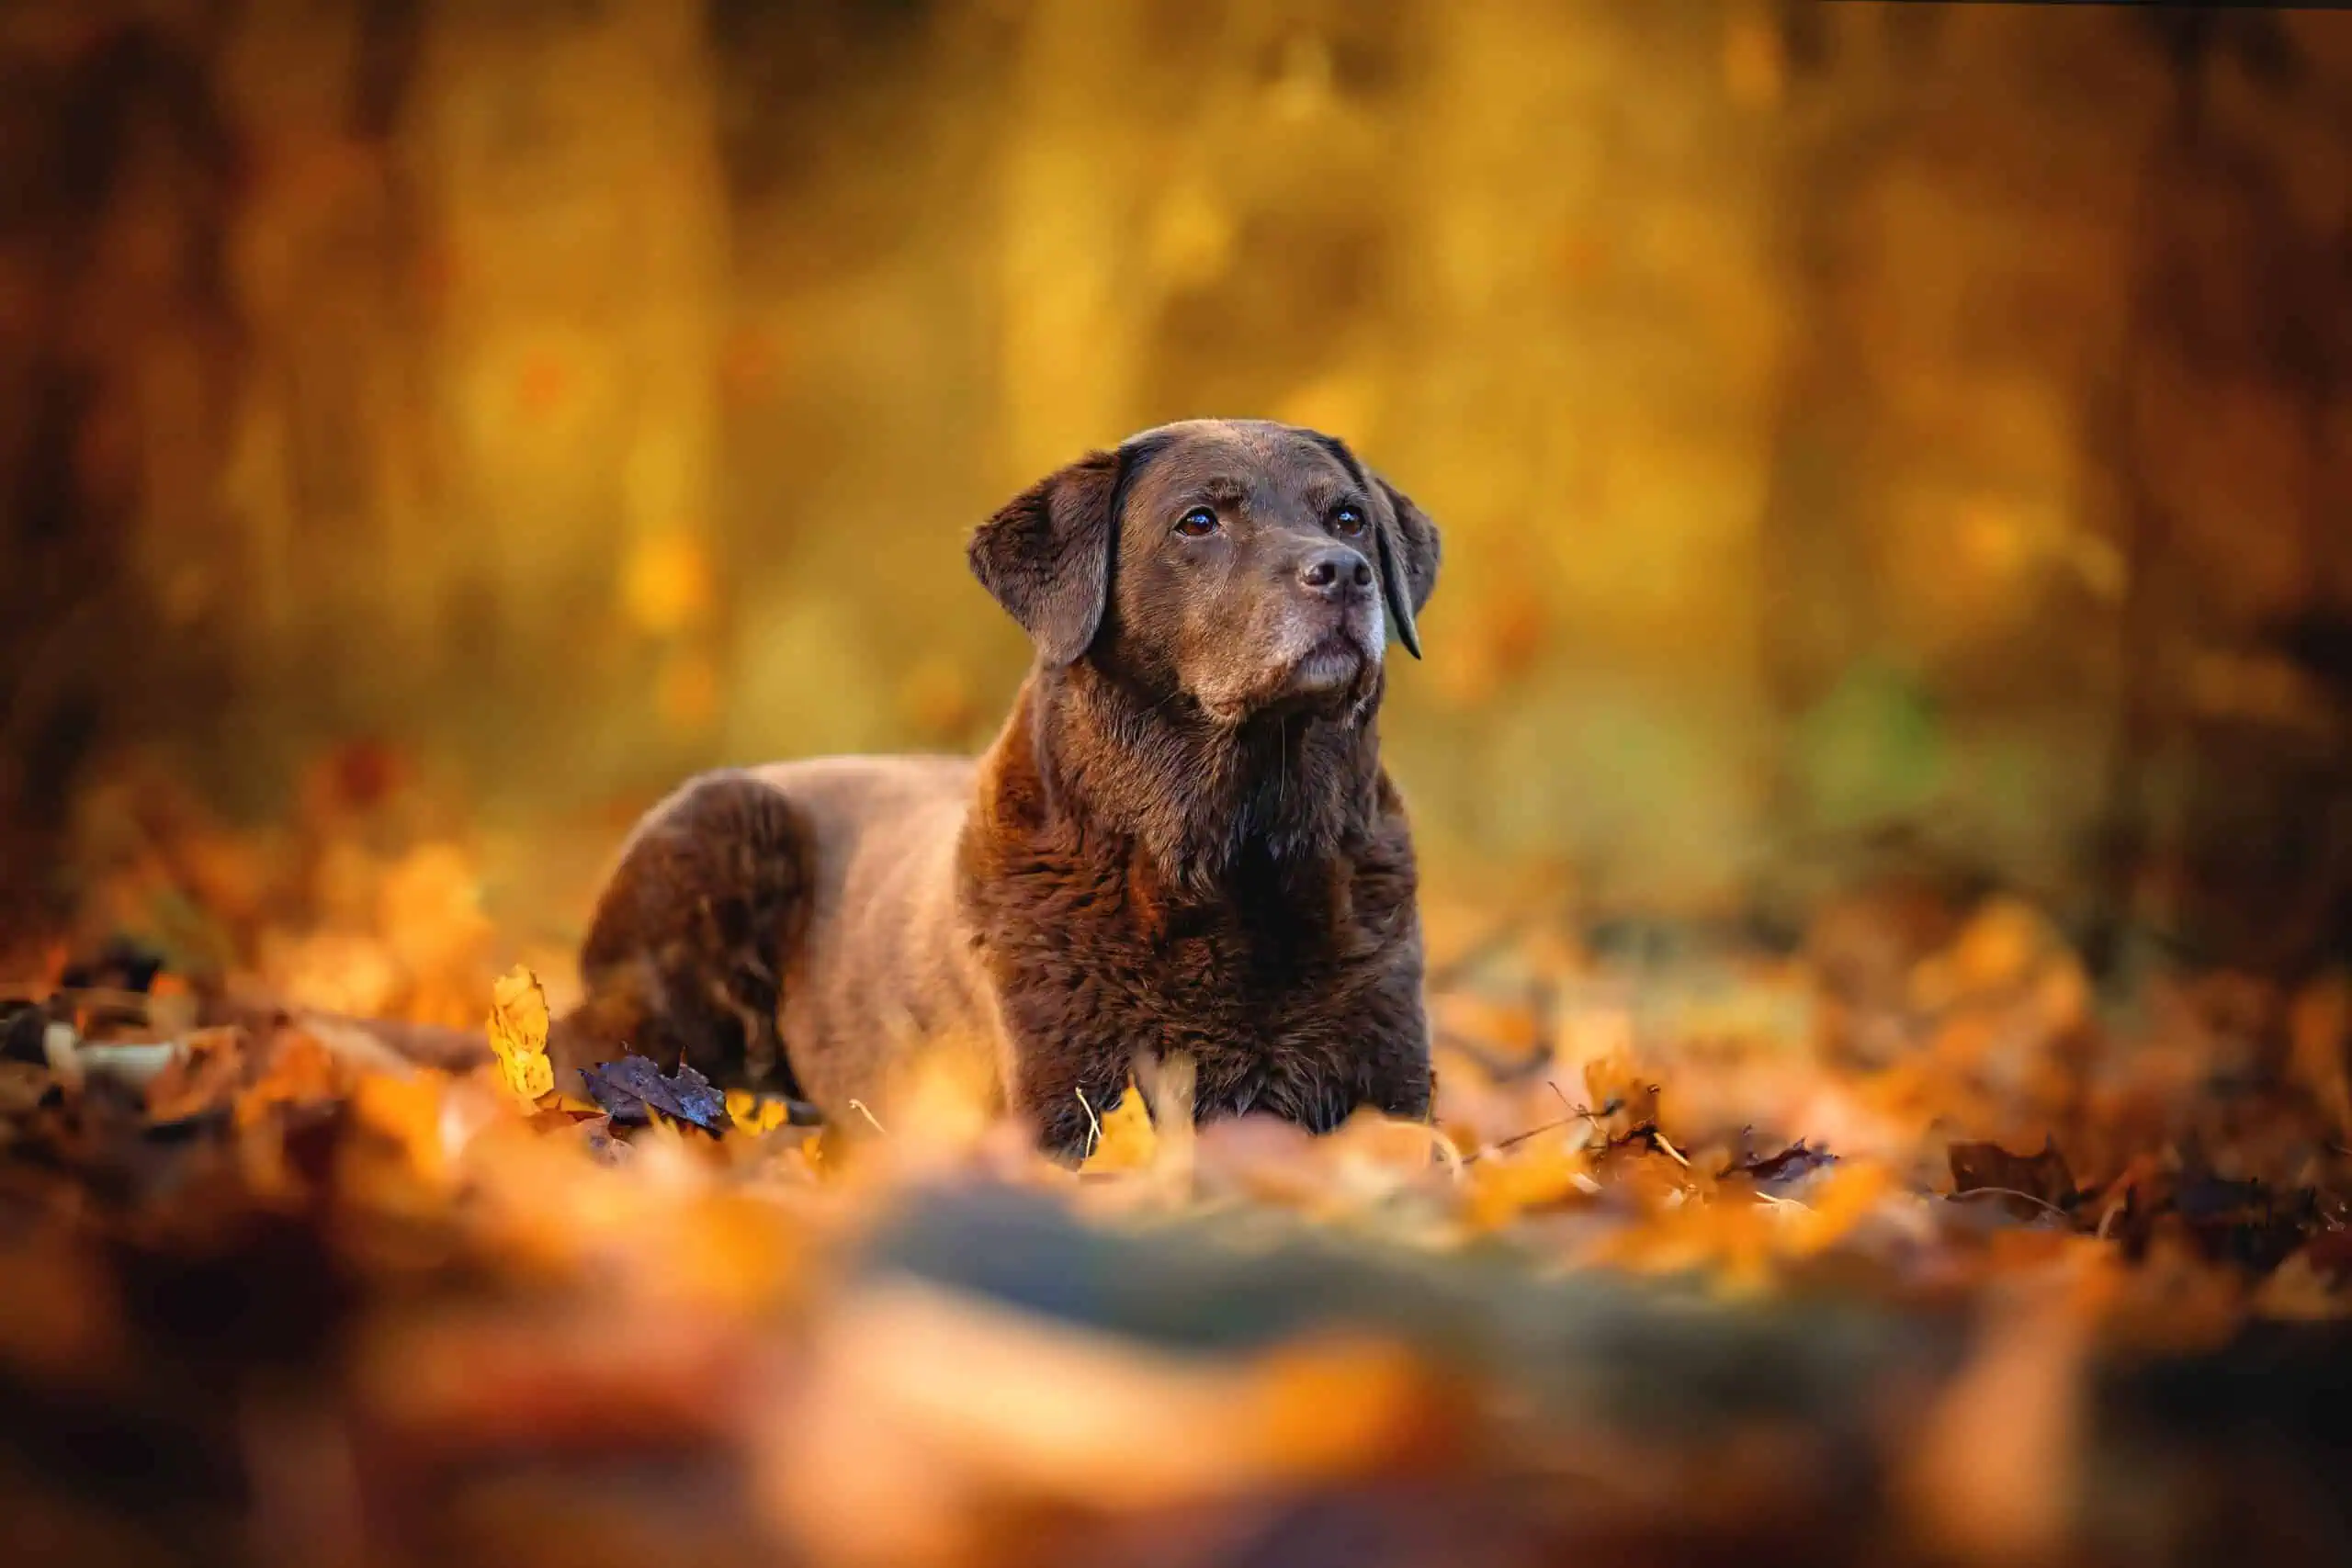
1408	552
1046	556
1404	539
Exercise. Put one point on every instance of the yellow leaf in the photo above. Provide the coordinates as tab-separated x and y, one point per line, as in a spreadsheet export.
1127	1141
754	1115
518	1033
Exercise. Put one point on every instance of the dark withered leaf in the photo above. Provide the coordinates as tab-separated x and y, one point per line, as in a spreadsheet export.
2204	1196
2246	1224
22	1025
2041	1179
1790	1165
630	1088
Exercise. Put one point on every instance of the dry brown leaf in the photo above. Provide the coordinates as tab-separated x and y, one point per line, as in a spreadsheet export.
1619	1095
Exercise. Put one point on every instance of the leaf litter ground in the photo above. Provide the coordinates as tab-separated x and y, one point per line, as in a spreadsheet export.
1898	1249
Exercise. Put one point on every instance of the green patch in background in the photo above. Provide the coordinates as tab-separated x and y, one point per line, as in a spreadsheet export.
1875	750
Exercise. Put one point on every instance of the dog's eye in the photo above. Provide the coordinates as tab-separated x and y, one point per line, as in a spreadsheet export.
1197	524
1348	520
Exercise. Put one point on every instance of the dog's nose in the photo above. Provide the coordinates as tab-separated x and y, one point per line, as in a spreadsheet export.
1334	572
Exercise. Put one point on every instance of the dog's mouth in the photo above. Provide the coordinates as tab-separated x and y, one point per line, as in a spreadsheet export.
1332	665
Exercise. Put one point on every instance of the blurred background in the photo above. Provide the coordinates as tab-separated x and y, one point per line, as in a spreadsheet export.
1869	440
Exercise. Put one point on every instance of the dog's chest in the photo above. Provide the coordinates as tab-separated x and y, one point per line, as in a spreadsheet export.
1274	979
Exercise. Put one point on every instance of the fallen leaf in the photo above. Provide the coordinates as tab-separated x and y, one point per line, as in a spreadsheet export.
1127	1139
630	1089
2245	1223
1536	1174
1787	1169
519	1032
753	1115
1620	1096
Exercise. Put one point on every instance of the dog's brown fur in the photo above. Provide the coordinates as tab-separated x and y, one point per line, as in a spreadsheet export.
1182	840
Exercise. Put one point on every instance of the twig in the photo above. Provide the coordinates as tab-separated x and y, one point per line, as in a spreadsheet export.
2013	1192
859	1106
1094	1122
1534	1132
1576	1114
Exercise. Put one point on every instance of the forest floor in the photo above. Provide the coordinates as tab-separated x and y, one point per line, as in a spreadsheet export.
1906	1247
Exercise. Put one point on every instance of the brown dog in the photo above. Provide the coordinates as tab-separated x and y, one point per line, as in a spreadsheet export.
1183	840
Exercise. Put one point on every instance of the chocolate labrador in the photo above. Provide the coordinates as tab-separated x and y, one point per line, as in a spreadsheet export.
1182	840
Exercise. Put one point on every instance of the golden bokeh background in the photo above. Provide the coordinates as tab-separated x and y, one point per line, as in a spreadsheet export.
1853	426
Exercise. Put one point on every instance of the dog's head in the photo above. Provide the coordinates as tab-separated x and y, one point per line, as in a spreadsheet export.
1248	565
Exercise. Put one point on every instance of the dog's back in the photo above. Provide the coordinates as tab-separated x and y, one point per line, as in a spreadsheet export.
877	965
756	913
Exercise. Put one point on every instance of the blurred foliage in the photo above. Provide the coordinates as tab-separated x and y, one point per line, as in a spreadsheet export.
1889	1251
1843	419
